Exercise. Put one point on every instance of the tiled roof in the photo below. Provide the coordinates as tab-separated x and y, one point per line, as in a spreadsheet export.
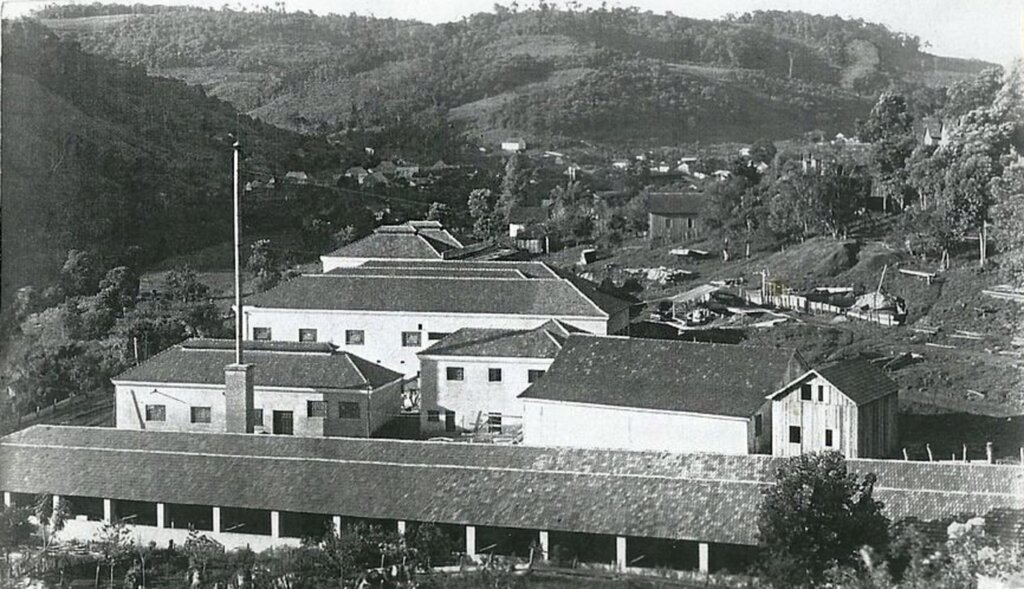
525	215
529	269
716	379
390	245
434	272
542	342
279	364
860	380
662	495
675	203
556	298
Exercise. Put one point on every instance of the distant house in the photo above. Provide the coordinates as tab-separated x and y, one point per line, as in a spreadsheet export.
621	164
470	380
851	407
657	395
300	388
357	173
441	165
297	177
722	174
375	178
521	217
407	172
936	132
674	216
386	167
513	145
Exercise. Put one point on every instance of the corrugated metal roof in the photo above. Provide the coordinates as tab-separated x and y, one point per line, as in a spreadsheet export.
716	379
651	494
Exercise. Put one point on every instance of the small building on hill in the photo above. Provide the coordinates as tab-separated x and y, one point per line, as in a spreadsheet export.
850	407
522	217
300	388
674	216
471	379
513	144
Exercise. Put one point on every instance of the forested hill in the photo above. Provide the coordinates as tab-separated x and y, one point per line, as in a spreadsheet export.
98	156
607	74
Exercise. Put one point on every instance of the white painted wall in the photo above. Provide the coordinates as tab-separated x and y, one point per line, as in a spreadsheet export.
828	409
473	398
331	262
579	425
383	330
84	531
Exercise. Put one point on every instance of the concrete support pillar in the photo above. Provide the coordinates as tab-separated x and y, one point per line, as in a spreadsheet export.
56	502
216	520
620	552
275	524
471	540
401	527
161	515
8	499
544	541
704	557
336	520
108	510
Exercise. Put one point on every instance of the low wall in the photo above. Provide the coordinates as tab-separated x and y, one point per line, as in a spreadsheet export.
92	531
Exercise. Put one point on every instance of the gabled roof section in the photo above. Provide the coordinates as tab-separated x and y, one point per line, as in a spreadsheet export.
675	203
542	342
714	379
860	380
525	215
278	364
426	240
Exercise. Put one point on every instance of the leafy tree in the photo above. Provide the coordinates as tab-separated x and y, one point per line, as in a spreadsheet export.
890	130
115	544
201	551
119	288
973	93
184	286
15	531
814	518
481	204
51	518
80	274
1008	217
513	188
264	263
440	212
763	150
431	545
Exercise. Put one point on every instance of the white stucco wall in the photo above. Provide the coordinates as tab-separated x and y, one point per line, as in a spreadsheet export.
130	409
383	330
828	409
578	425
474	397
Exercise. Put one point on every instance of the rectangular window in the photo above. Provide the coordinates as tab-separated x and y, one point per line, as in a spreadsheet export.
455	373
354	337
261	334
533	375
434	416
828	438
494	375
494	423
410	339
806	393
156	413
757	425
668	223
689	222
348	410
436	335
821	393
257	417
794	434
200	414
316	408
307	335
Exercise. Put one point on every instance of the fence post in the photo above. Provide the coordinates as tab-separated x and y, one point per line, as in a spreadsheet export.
988	452
928	447
905	455
965	452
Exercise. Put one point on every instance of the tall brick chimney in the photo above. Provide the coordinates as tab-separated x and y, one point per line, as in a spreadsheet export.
238	398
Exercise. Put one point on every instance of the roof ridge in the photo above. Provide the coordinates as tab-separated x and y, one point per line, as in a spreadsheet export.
588	299
355	367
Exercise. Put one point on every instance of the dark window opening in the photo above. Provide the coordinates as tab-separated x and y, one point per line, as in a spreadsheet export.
307	335
156	413
354	337
200	414
494	423
240	520
806	393
257	417
828	438
494	375
410	339
821	393
348	410
757	425
794	434
139	513
261	333
316	408
533	375
283	423
433	416
182	517
455	373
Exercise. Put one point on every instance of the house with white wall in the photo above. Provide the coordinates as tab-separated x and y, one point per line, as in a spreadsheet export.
850	407
302	389
471	379
646	394
412	240
387	311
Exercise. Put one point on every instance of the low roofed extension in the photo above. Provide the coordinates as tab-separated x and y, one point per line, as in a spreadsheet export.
715	379
649	494
278	364
542	342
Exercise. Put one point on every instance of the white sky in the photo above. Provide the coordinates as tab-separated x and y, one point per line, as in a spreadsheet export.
992	30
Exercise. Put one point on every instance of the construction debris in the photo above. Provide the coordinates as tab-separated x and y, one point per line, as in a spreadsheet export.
689	252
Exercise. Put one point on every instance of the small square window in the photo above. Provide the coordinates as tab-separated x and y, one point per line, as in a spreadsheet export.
828	438
156	413
794	434
494	375
494	423
757	425
433	416
200	414
307	335
410	339
533	375
806	393
261	334
316	408
348	410
354	337
257	417
455	373
436	335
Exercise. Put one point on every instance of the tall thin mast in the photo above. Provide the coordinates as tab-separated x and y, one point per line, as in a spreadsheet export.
239	329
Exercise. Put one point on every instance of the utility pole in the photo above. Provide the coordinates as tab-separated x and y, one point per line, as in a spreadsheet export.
982	238
239	333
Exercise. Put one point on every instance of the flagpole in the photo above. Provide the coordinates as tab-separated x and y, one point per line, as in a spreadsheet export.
239	329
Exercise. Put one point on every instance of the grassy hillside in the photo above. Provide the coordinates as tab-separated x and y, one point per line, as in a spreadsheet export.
99	156
598	75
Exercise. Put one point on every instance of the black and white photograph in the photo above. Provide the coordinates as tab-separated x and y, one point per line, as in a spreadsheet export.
465	294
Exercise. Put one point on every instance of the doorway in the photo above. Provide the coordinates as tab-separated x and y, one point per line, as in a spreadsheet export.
283	423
